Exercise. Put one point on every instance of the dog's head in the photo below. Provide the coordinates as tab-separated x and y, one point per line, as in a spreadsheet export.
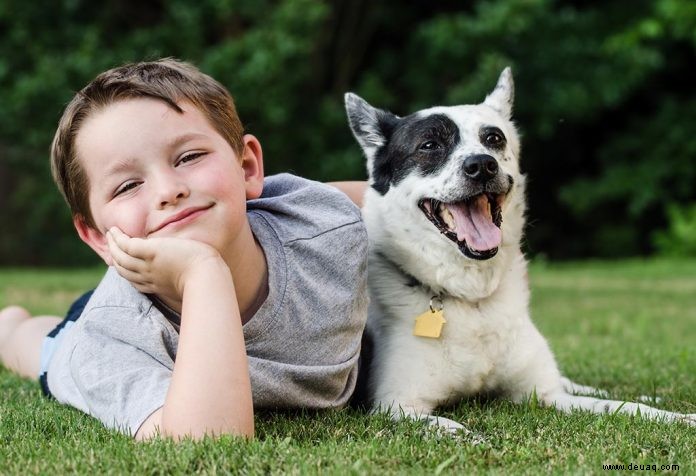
453	170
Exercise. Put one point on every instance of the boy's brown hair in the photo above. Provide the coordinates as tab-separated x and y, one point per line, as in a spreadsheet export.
167	80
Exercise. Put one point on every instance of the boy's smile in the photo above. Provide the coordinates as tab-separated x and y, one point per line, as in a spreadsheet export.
153	171
182	218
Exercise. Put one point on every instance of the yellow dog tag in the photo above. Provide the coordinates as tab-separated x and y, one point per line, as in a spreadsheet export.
429	324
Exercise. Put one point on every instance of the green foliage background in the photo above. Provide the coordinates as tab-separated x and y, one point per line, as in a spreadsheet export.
605	97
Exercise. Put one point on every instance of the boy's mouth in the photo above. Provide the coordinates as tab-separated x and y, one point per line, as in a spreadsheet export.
185	216
473	223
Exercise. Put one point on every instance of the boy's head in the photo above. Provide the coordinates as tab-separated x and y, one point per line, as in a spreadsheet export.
167	80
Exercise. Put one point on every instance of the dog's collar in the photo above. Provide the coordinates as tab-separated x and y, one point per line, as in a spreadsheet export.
429	324
412	281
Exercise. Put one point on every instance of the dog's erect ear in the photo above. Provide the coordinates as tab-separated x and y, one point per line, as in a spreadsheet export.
502	97
370	126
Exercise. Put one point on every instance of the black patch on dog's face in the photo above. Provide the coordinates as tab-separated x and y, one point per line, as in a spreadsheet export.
413	143
492	138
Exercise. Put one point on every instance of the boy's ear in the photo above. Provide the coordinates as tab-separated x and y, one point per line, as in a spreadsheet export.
94	238
252	165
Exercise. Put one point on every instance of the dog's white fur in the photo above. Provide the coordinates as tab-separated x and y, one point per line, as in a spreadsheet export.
489	343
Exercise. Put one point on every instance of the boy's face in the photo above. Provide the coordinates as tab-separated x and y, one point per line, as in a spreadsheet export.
155	172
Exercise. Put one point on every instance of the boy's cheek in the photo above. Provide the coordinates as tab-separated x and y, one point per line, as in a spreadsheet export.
133	229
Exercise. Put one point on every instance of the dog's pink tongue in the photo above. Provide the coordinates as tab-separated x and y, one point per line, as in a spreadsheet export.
474	223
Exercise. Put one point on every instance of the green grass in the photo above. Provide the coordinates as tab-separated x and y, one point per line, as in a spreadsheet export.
628	327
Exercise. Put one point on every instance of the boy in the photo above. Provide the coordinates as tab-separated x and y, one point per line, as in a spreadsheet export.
221	289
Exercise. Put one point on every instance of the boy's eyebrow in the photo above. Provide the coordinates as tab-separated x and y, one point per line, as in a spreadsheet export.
127	164
120	166
177	141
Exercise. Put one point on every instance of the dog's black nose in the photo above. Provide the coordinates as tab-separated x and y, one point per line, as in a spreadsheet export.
480	167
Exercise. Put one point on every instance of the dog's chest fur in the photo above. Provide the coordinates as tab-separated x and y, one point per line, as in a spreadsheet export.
472	355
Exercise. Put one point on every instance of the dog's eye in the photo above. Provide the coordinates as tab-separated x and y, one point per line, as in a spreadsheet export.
429	145
493	139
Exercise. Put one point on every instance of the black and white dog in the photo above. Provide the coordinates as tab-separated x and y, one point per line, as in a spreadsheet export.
449	312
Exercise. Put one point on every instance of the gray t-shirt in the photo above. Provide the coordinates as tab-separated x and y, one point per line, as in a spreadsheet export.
302	344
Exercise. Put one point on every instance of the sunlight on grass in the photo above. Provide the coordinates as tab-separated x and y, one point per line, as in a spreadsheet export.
49	291
628	327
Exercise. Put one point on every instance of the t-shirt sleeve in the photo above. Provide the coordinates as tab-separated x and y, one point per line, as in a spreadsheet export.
120	368
303	350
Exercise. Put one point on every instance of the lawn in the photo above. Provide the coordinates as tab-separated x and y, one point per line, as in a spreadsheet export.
628	327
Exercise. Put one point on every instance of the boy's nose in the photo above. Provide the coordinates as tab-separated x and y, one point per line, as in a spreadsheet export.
170	191
172	201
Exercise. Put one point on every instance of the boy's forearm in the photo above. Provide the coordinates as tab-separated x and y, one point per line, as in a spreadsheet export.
210	390
355	190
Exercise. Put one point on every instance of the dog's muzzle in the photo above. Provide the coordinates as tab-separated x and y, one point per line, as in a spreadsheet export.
474	222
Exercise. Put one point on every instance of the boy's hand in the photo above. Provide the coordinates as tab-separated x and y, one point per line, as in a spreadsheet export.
210	391
159	265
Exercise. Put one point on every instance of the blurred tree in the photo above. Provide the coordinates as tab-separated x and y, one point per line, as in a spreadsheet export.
680	238
605	98
605	103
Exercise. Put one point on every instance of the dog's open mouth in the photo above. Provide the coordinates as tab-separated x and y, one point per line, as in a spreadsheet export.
473	223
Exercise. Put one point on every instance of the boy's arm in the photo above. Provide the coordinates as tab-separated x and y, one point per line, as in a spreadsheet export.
355	190
210	390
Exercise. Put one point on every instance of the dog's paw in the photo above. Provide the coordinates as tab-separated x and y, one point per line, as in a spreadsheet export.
444	423
438	426
444	427
688	418
653	400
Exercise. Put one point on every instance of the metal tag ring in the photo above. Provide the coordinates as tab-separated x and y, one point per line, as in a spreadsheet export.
438	301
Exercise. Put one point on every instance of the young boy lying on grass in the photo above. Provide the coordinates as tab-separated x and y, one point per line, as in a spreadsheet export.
224	293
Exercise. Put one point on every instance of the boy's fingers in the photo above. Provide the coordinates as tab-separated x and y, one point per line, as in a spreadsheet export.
117	233
119	238
126	273
133	277
120	256
137	247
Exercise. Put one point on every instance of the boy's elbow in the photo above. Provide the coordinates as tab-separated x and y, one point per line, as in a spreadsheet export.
177	428
181	431
354	190
198	434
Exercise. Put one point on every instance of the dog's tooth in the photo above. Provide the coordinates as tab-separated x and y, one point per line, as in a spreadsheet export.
447	217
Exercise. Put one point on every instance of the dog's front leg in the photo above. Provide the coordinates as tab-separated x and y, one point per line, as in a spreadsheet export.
574	388
541	377
399	412
441	424
415	410
568	403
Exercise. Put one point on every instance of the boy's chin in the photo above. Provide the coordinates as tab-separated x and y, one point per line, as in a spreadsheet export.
193	235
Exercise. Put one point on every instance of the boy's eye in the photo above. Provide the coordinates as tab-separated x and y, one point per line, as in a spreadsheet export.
190	157
125	188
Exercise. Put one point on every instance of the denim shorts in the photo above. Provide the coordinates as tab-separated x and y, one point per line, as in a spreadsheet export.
52	340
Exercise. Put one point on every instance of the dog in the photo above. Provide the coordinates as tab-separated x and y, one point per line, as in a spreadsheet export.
449	317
